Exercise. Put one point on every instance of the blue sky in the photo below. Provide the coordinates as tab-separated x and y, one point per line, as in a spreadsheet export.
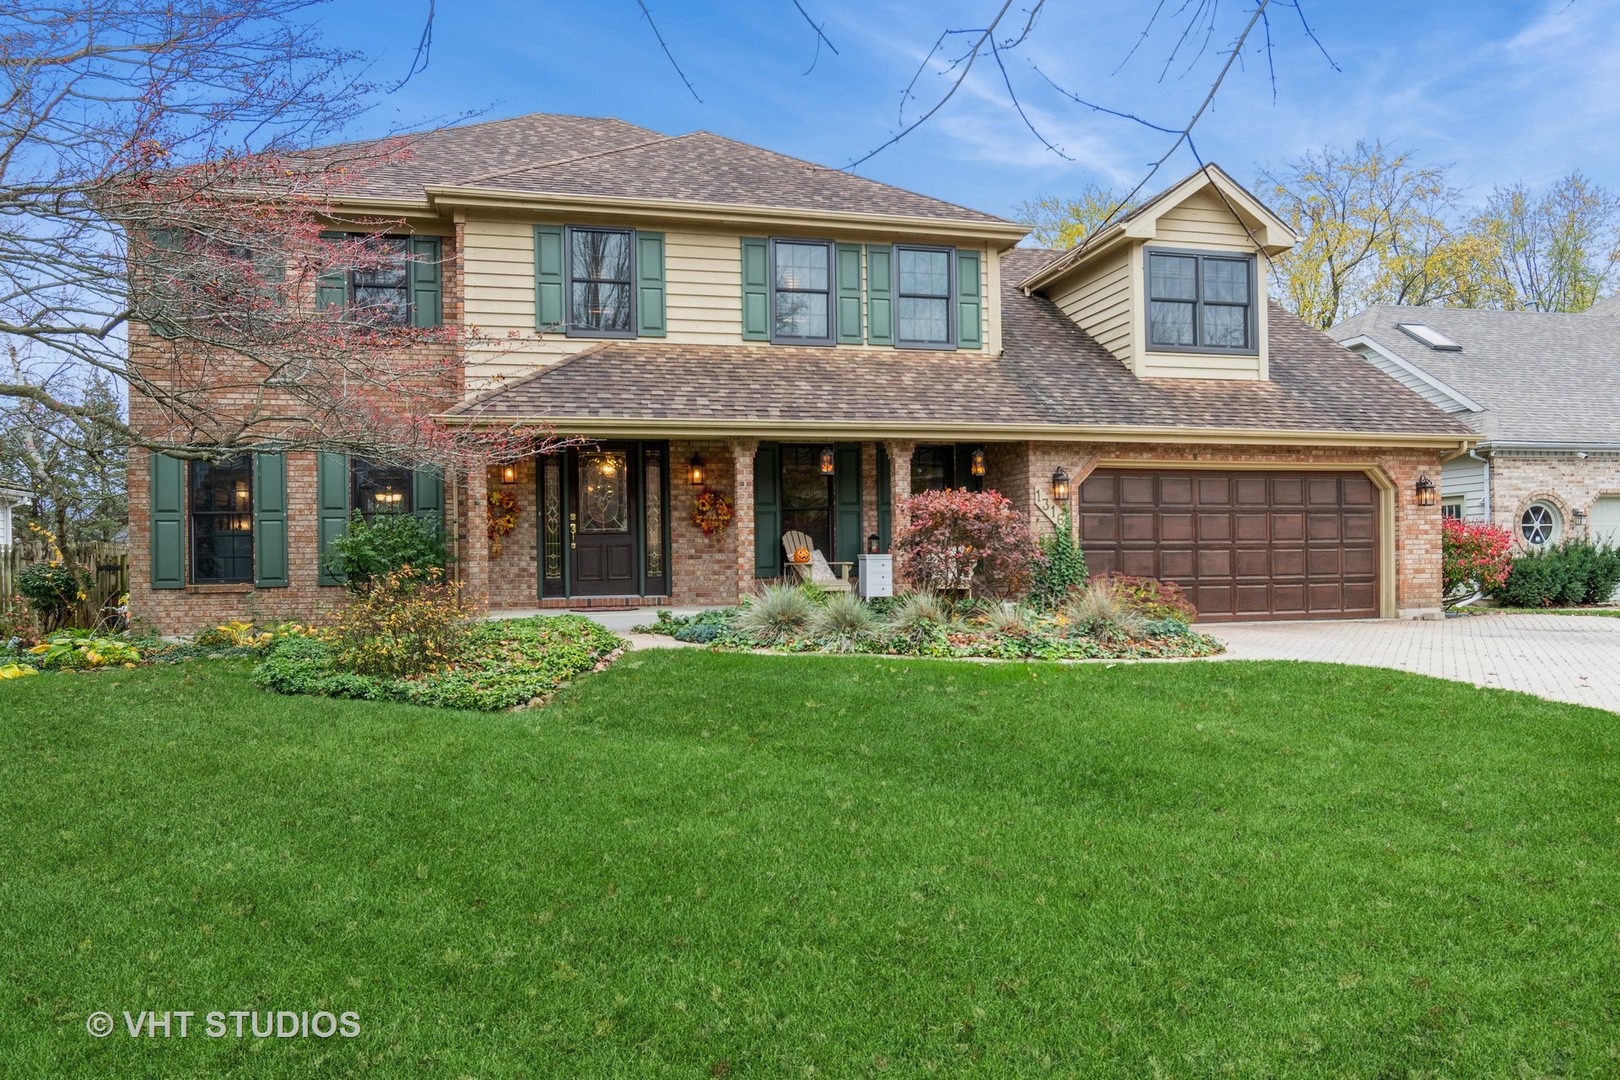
1499	91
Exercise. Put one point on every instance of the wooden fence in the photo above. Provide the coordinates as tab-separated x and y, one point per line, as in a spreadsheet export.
108	562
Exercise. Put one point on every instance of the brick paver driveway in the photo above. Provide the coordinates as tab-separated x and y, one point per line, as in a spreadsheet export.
1563	657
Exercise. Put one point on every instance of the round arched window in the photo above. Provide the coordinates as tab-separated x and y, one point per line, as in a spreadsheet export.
1539	524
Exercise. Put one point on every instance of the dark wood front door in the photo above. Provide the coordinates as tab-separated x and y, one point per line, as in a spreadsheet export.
603	521
1244	545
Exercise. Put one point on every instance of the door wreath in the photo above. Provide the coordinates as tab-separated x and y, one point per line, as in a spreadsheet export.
711	511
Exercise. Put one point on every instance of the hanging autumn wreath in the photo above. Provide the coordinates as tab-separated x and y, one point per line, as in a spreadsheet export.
503	516
711	511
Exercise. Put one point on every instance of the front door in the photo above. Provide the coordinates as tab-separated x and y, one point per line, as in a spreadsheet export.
602	522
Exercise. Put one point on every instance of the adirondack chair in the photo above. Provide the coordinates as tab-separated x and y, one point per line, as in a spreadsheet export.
816	569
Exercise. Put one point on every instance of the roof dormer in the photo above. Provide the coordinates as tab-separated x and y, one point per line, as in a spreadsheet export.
1177	287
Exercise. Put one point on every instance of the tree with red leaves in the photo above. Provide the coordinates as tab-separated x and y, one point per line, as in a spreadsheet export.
958	541
164	226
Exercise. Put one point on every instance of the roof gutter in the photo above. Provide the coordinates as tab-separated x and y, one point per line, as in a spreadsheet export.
451	196
935	431
1487	443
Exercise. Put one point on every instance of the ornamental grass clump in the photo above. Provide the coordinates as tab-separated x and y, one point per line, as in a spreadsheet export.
919	619
1007	617
1104	613
404	622
844	623
777	613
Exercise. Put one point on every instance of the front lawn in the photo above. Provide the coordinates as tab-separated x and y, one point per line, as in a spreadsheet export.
700	864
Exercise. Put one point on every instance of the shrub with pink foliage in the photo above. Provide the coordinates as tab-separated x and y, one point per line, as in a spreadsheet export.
1474	551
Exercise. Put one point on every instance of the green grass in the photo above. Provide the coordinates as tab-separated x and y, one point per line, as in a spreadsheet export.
700	864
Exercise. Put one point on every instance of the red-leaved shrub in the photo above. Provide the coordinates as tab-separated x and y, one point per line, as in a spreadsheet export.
1149	597
960	540
1473	551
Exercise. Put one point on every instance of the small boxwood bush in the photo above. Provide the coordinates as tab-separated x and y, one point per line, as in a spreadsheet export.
386	543
502	665
1566	575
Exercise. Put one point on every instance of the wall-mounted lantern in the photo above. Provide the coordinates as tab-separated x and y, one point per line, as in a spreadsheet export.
694	471
1425	490
826	461
1060	485
976	461
509	473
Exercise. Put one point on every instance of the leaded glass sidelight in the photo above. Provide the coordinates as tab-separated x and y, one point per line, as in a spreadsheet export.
551	518
604	492
654	466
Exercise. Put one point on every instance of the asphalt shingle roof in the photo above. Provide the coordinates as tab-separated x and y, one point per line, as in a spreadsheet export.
577	155
1540	376
1051	372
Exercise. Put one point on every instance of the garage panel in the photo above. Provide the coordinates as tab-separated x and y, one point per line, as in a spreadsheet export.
1244	545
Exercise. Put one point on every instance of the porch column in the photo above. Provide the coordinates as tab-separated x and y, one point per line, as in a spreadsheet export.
899	481
474	544
742	461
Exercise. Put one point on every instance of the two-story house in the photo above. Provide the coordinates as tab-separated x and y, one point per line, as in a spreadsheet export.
816	347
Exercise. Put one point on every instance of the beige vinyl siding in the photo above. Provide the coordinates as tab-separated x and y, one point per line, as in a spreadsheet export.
1466	477
703	287
1202	221
1198	366
1102	302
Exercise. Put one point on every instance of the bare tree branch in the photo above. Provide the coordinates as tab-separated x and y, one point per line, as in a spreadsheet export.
662	44
821	37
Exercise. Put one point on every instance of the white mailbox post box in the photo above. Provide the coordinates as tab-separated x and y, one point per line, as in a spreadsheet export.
876	575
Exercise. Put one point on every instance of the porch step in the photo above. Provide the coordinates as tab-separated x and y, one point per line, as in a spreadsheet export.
603	603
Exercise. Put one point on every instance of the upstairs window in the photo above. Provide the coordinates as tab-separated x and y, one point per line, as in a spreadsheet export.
601	289
398	285
381	293
923	298
222	521
801	292
1200	303
379	489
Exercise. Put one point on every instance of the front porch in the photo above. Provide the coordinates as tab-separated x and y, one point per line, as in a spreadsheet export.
610	525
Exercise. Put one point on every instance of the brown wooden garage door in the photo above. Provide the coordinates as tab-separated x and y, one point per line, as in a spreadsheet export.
1245	545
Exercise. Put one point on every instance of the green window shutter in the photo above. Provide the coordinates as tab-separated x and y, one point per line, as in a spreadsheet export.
332	288
168	522
767	511
270	521
548	277
161	271
969	301
331	509
884	487
427	495
427	276
847	501
649	284
850	331
756	289
880	294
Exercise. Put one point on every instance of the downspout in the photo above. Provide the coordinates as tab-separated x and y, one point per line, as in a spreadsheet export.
1490	507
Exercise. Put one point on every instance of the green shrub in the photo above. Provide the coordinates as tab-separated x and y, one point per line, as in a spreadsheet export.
699	633
844	623
504	664
298	647
777	613
54	590
1566	575
77	649
404	622
1060	570
386	543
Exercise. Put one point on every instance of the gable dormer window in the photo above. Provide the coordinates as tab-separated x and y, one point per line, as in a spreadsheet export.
1200	302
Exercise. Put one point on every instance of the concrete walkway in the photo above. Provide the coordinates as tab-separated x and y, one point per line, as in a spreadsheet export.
1573	658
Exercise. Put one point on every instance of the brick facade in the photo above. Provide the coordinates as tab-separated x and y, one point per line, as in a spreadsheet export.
1565	481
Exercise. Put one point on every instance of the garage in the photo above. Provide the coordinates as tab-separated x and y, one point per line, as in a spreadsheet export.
1244	545
1604	526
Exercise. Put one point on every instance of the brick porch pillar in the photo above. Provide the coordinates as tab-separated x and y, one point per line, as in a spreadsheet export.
742	525
475	544
899	480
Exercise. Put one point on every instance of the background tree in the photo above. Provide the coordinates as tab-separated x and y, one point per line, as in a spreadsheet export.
1063	221
1558	252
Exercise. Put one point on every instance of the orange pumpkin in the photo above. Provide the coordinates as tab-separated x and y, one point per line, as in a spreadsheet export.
802	555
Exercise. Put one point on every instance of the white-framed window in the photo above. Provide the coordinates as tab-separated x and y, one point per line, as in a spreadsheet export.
1540	524
1452	507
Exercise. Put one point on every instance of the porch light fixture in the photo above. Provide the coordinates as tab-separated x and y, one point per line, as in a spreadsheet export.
976	461
1060	485
509	473
872	543
1425	490
826	461
1580	517
694	471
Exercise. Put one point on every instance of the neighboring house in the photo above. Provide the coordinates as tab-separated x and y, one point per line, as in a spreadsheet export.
1543	391
816	347
11	497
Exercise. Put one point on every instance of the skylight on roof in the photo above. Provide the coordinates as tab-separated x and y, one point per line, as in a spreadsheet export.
1427	334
